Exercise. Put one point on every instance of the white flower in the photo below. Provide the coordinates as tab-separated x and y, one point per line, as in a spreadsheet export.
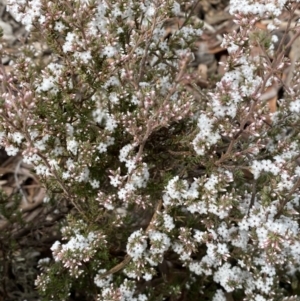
111	123
232	48
264	165
59	26
168	222
115	180
109	51
130	164
114	98
173	189
95	184
17	137
122	194
85	56
69	129
55	246
295	106
112	81
102	147
147	276
211	182
84	175
70	164
196	267
27	15
127	289
46	199
160	242
176	8
102	282
99	115
198	236
125	151
142	297
47	84
136	244
219	296
227	275
72	146
11	150
70	42
222	249
66	175
150	11
42	170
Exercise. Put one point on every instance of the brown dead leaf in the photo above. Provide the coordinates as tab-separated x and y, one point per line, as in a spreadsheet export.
202	71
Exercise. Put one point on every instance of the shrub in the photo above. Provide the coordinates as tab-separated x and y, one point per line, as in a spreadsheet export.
177	192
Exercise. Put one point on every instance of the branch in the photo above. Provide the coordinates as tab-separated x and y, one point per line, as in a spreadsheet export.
288	198
128	258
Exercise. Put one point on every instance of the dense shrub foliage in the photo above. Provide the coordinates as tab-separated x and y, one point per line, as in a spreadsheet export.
177	192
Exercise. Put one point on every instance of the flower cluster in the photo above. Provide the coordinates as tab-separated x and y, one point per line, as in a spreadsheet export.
111	125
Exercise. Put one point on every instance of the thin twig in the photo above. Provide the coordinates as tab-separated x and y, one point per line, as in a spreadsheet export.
190	14
145	55
127	257
287	199
252	200
17	180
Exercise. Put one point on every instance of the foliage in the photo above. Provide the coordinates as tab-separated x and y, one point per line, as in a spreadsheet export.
168	191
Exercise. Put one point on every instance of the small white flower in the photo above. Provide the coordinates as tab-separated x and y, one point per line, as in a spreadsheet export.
66	175
219	296
295	106
111	123
176	8
17	137
72	146
70	42
84	56
95	184
136	244
59	26
115	181
109	51
150	11
147	276
11	150
130	164
102	282
168	222
102	147
114	98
